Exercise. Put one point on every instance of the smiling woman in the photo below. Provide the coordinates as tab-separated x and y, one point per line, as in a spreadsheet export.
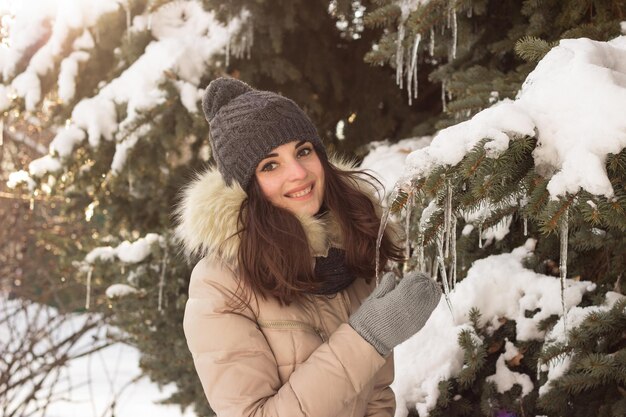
283	318
292	177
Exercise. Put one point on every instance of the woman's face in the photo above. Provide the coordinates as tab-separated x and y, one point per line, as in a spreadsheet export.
292	177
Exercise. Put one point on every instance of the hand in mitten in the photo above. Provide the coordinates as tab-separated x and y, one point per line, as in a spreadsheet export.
392	314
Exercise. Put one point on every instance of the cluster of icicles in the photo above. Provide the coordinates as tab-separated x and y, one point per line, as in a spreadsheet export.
446	245
409	66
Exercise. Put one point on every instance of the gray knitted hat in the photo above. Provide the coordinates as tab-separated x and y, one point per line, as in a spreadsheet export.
246	124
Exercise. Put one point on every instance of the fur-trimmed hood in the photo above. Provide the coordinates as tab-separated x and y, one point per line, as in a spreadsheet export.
208	213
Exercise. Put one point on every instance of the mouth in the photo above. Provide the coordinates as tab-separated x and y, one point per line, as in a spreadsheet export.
302	192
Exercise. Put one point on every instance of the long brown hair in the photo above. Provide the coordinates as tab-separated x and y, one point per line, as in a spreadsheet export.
274	254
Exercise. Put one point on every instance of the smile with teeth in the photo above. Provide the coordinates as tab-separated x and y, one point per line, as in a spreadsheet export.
301	193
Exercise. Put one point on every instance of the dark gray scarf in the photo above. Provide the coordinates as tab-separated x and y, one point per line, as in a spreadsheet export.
332	272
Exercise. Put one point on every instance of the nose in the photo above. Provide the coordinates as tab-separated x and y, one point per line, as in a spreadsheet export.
296	170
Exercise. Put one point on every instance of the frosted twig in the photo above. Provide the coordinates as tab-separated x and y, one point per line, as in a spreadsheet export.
88	295
431	46
443	96
162	279
442	270
454	29
379	239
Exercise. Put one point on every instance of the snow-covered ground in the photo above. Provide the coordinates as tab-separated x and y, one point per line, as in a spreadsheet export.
109	370
88	385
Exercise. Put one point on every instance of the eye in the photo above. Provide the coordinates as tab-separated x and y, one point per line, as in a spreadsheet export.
269	166
304	151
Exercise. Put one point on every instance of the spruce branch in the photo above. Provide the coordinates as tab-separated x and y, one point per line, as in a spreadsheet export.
532	49
383	16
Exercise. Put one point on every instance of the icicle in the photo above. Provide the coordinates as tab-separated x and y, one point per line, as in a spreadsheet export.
411	74
443	96
379	239
227	53
564	231
162	280
480	235
1	132
433	267
407	226
431	46
454	31
525	225
453	250
421	266
128	18
31	204
250	41
442	270
88	295
150	10
130	181
400	55
447	219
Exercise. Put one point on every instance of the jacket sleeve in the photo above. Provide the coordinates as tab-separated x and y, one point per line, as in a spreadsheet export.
238	371
383	401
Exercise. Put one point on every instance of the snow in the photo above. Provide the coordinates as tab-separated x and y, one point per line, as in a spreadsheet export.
28	86
88	385
65	15
186	38
42	166
65	140
68	73
504	378
478	216
189	95
574	318
128	252
5	101
501	288
573	102
120	290
19	177
387	161
123	148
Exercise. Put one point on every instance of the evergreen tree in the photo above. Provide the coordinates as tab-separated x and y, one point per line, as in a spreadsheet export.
482	52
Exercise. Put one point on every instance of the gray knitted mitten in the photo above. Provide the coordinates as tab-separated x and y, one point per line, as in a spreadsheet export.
392	314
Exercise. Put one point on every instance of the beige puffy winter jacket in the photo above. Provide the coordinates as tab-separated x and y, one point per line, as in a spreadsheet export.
272	360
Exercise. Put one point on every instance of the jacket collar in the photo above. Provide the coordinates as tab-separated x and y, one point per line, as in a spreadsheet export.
208	211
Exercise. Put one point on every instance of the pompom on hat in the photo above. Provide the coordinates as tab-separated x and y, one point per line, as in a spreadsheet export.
246	124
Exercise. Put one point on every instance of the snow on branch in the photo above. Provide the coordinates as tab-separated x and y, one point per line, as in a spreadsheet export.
185	39
573	102
502	290
128	252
